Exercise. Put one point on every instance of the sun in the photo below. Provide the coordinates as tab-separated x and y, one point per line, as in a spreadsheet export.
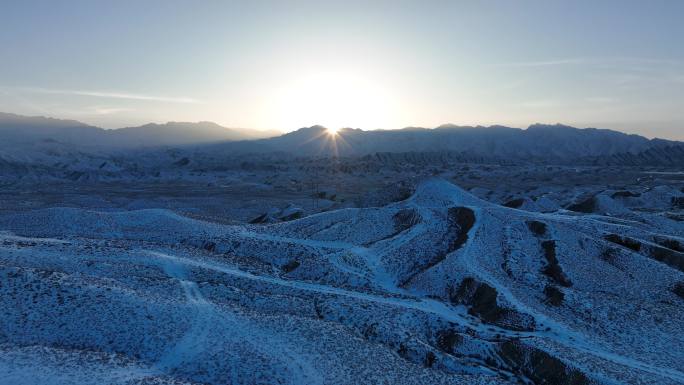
331	131
335	100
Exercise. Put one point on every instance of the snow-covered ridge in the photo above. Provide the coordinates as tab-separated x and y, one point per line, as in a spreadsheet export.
442	287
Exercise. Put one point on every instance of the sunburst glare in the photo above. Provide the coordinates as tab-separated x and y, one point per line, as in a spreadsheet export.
334	99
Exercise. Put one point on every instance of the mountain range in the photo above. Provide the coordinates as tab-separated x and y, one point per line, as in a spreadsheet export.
23	130
537	141
30	137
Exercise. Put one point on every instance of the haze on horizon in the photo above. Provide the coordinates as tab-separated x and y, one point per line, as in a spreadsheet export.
385	64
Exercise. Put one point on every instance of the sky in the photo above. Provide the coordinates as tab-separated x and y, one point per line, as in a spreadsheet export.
364	64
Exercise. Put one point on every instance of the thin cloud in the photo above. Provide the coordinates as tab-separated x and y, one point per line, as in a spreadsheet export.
108	94
593	61
110	110
547	63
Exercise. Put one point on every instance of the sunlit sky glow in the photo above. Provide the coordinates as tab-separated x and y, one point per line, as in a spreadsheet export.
366	64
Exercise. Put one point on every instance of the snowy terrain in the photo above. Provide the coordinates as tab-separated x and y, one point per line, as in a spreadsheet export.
461	255
441	287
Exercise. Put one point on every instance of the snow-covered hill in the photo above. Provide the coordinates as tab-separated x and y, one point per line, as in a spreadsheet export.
442	287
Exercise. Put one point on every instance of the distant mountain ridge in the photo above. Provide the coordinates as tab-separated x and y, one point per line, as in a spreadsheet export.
180	133
24	130
537	143
35	138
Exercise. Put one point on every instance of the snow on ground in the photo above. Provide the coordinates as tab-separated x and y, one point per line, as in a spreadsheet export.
442	287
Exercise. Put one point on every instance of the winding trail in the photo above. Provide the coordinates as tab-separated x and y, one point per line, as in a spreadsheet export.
187	347
193	341
208	319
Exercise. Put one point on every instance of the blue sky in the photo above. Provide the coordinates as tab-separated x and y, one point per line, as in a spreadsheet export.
368	64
